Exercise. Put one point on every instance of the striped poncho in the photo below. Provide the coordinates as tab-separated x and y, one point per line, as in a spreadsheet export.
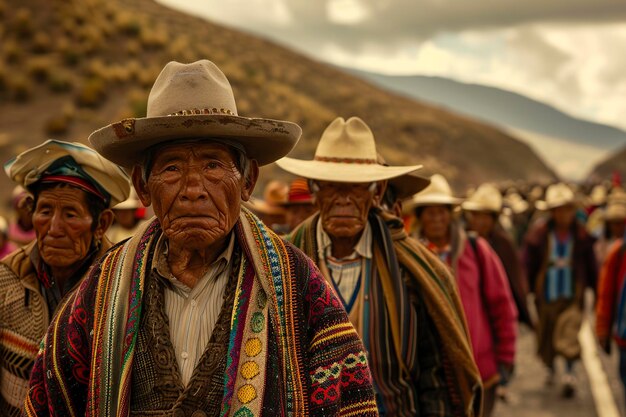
389	329
85	365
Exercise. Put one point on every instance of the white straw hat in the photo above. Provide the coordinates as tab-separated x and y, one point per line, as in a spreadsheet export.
486	198
346	152
557	195
437	193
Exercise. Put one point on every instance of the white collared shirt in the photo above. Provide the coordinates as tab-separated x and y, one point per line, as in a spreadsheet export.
346	271
193	312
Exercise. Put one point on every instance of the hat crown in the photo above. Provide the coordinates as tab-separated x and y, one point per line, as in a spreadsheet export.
347	140
558	193
438	185
191	87
486	197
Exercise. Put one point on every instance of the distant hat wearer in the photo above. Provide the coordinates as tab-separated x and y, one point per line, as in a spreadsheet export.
131	203
194	101
557	195
346	152
274	197
615	211
72	163
437	193
299	193
486	198
405	185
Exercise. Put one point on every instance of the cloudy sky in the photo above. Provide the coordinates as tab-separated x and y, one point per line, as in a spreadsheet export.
568	53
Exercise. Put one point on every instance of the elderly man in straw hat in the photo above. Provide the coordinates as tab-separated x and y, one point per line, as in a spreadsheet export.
204	311
482	212
560	264
73	189
483	287
400	298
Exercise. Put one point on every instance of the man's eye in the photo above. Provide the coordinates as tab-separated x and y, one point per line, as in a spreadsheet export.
213	165
171	168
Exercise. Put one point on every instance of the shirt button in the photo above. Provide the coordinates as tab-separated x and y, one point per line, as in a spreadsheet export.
184	355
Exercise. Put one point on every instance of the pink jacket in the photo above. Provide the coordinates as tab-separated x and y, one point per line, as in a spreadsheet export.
489	305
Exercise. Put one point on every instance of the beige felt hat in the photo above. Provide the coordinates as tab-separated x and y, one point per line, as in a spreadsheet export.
557	195
615	211
598	195
437	193
194	101
516	202
346	152
33	165
486	198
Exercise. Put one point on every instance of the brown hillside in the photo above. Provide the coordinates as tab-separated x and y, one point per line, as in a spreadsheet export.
67	68
614	163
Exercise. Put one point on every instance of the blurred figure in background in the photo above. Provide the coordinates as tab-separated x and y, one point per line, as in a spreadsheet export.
6	246
611	299
560	264
21	230
299	205
483	286
614	223
129	215
270	209
483	211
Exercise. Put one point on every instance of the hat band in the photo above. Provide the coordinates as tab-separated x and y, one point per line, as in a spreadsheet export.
75	181
366	161
192	112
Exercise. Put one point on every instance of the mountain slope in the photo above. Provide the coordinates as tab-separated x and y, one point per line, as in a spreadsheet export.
501	107
616	163
74	66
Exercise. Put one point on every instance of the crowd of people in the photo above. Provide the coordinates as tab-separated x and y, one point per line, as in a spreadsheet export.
140	277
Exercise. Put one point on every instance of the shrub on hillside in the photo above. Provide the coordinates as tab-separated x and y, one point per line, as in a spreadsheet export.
20	88
92	92
39	69
60	81
11	51
41	43
58	124
22	24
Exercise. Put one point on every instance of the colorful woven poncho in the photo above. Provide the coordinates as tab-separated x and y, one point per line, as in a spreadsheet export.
85	365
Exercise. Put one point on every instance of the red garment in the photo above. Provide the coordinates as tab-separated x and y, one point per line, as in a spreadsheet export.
489	306
609	289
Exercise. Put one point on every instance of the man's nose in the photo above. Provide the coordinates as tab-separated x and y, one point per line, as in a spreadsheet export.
193	186
56	225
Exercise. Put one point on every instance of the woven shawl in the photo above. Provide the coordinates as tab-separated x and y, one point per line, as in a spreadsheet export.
394	250
267	298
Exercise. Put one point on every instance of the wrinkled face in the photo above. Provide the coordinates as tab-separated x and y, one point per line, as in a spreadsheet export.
435	221
63	223
482	222
564	216
196	192
344	206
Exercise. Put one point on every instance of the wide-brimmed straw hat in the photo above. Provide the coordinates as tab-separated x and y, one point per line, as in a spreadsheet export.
346	152
557	195
73	163
194	101
486	198
437	193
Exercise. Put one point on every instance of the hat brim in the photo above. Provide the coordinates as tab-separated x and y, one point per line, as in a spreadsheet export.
544	205
408	185
474	206
433	200
264	140
343	172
